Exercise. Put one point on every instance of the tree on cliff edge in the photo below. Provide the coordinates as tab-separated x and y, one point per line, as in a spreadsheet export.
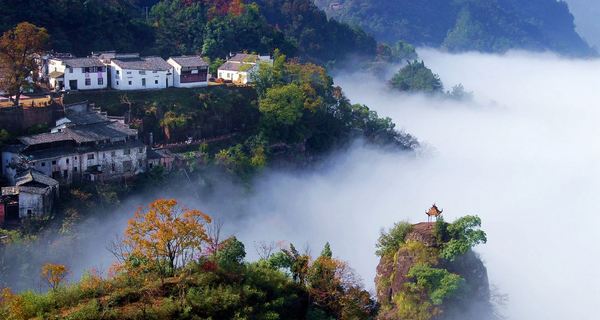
19	48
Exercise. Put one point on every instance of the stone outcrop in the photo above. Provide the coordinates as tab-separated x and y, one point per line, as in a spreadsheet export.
472	301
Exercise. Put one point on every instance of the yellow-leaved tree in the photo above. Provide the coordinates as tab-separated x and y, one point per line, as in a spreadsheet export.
164	234
54	274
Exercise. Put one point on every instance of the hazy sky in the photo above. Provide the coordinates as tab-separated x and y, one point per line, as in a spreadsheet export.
587	19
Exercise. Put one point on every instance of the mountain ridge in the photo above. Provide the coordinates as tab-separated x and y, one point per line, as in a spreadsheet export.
466	25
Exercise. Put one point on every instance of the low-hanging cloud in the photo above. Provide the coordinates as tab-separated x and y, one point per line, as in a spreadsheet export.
522	154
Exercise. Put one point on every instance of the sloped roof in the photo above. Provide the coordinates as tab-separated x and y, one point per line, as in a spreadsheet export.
100	131
244	57
84	118
232	66
190	61
143	63
82	133
31	175
44	138
83	62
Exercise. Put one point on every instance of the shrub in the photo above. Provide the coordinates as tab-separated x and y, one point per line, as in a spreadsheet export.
438	283
124	296
88	311
389	242
464	234
416	77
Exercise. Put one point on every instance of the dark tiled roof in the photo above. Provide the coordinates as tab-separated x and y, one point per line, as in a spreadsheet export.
100	131
82	133
44	138
244	57
190	61
31	175
143	63
232	66
84	118
83	62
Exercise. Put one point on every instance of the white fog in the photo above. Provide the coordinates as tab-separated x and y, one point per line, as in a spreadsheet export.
524	155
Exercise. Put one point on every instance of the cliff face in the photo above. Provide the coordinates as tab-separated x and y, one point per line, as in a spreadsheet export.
402	296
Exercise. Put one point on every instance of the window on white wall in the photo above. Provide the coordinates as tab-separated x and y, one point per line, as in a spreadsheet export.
88	82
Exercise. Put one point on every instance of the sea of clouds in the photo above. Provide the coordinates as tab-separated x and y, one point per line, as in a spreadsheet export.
524	155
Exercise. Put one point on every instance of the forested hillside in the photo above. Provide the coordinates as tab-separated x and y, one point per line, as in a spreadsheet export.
172	27
586	14
485	25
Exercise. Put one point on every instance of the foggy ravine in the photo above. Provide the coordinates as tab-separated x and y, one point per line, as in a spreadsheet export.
523	155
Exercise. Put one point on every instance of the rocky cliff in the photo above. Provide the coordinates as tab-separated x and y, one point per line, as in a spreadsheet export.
415	282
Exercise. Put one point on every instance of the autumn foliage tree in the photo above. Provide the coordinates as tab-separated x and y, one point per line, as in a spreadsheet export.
19	48
54	274
165	235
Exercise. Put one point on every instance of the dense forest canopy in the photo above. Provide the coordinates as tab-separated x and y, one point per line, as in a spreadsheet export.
173	27
488	25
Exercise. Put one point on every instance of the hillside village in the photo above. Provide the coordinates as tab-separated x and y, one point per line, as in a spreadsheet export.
86	145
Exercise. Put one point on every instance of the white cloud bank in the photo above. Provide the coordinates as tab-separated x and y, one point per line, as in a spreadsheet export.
524	155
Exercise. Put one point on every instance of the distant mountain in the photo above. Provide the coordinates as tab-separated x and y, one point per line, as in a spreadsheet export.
461	25
586	14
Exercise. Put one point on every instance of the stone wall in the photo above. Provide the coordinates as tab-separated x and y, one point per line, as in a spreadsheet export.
17	119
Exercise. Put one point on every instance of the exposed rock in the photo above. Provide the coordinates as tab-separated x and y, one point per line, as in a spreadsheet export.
472	301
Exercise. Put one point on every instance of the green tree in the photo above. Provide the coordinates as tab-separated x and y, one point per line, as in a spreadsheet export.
399	52
231	254
438	283
464	234
389	242
416	77
283	106
269	76
179	27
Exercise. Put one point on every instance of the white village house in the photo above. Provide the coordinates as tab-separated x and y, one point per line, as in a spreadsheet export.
189	71
85	145
240	67
77	74
130	71
34	192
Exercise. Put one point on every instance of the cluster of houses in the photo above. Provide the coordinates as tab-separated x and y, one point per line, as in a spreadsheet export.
85	145
130	71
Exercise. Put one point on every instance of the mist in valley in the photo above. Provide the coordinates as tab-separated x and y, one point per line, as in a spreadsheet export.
523	155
